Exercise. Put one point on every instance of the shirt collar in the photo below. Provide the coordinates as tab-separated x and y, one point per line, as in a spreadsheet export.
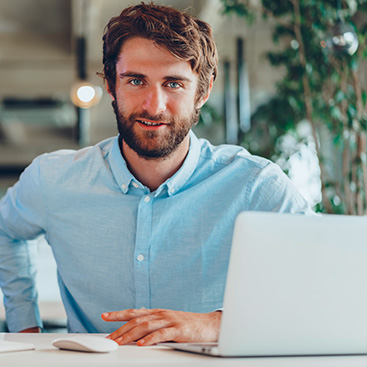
125	179
179	179
122	175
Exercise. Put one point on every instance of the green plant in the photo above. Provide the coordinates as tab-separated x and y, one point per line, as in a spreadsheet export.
322	86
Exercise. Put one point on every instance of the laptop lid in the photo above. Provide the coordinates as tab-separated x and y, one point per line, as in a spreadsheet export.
296	285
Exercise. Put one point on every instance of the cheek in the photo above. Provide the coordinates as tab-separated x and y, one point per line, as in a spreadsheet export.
127	102
181	104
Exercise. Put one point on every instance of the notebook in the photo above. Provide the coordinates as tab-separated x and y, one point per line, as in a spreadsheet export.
10	346
296	285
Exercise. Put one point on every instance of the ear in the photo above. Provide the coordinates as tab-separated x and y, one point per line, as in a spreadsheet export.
203	99
109	91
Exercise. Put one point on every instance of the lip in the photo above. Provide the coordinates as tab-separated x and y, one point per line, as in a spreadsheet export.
150	125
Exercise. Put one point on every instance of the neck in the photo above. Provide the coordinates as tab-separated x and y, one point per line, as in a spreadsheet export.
153	172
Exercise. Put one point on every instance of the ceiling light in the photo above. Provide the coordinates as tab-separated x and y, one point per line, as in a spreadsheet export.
85	95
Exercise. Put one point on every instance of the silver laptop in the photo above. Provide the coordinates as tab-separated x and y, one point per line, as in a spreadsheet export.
296	285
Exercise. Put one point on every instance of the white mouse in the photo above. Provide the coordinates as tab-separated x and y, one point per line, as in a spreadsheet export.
86	343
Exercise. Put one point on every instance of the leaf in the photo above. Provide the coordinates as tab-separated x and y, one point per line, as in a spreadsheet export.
324	73
335	112
364	97
339	96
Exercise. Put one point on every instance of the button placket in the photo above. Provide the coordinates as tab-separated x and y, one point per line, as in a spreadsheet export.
142	243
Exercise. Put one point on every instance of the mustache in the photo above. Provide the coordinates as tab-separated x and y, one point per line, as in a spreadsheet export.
145	115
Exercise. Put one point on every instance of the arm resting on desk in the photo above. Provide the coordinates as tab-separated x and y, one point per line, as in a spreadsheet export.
148	327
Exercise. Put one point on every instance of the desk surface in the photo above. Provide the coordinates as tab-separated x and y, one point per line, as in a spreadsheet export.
47	355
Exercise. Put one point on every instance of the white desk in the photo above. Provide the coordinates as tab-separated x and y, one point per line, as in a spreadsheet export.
131	355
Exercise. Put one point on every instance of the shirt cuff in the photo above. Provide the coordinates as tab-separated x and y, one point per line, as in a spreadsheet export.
22	317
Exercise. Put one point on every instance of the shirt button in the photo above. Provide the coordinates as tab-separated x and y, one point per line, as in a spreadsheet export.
140	257
147	199
135	185
123	186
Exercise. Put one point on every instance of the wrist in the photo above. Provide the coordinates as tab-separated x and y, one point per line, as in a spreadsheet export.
35	329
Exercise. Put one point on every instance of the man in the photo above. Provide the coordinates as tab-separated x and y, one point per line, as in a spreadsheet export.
140	225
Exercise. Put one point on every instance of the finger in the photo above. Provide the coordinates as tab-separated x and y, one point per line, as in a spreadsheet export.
141	330
124	315
158	336
145	322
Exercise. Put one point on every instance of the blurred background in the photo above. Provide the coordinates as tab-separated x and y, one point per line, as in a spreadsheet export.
48	46
291	87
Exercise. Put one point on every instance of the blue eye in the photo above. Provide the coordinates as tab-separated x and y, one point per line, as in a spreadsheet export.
173	85
136	82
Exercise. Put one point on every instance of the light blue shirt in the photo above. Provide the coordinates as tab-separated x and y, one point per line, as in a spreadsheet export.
117	245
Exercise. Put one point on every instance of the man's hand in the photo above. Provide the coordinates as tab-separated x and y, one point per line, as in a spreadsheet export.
148	327
31	330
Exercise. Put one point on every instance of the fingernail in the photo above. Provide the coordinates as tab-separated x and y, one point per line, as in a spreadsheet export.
106	314
119	340
108	337
141	342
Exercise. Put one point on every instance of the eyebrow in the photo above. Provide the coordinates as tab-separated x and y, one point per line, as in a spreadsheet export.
129	74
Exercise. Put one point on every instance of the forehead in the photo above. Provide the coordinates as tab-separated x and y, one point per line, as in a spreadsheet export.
143	55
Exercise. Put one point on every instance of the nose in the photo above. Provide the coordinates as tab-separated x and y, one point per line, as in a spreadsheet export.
154	101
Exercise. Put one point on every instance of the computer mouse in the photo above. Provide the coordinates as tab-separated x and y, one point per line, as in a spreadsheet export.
85	343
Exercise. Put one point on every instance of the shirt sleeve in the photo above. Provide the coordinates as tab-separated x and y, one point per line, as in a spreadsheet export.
22	219
272	190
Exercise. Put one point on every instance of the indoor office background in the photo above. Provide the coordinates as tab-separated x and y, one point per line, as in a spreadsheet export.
49	48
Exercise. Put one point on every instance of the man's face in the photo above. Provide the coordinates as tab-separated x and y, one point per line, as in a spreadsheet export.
154	98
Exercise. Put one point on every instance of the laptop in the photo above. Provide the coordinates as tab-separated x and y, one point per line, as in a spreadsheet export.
296	285
11	346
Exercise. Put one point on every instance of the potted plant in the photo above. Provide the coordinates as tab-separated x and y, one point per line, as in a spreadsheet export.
325	62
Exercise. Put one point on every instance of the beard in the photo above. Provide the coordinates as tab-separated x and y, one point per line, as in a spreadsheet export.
154	144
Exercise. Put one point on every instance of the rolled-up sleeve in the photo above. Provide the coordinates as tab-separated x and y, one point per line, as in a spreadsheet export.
22	219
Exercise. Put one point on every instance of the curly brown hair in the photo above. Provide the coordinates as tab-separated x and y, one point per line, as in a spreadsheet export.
185	36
